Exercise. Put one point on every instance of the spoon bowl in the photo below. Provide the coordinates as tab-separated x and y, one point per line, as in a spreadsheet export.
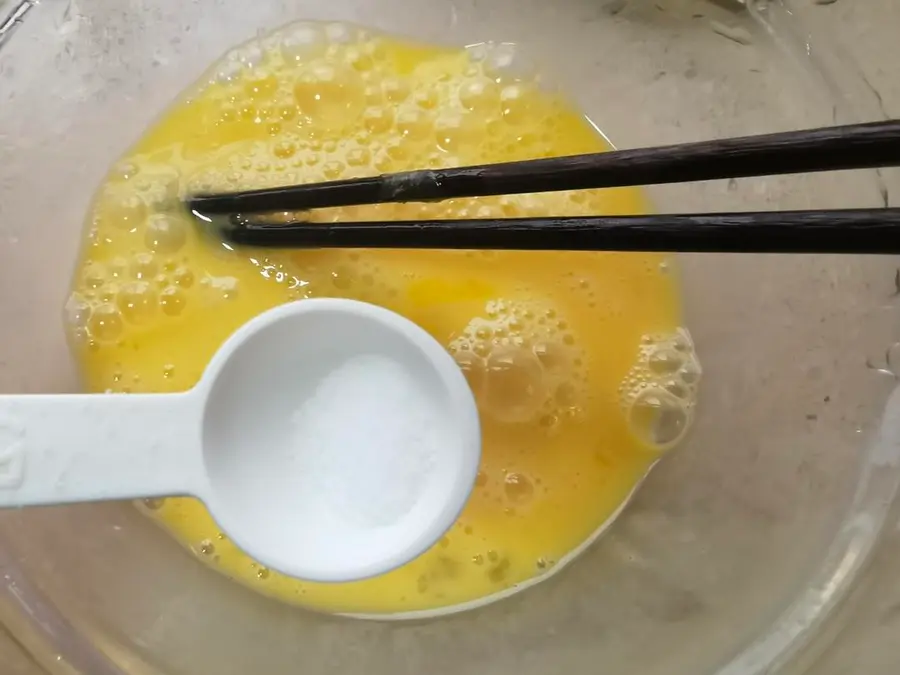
251	441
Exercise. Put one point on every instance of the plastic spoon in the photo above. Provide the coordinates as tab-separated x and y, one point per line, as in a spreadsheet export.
231	441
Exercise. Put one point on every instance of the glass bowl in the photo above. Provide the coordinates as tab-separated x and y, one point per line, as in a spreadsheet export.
738	548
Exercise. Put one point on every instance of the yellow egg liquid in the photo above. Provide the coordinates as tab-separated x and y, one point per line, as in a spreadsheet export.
580	369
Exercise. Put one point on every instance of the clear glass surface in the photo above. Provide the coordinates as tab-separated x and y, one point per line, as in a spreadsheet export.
735	551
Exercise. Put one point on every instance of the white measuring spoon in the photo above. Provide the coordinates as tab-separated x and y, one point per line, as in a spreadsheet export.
232	442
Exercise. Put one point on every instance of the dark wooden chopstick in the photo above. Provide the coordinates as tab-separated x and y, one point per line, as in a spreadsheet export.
858	146
864	231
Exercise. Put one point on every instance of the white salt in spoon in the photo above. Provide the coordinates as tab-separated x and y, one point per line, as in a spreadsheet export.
332	440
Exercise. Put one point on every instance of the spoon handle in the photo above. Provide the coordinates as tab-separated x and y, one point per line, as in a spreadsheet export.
65	448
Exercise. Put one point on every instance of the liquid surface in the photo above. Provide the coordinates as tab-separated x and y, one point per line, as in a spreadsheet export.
581	371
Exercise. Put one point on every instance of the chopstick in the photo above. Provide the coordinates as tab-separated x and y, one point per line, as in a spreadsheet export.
857	146
861	231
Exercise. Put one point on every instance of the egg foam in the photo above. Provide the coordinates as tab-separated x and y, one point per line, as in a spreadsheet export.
581	368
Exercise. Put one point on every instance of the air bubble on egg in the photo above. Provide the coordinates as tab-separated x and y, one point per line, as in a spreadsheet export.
220	288
301	41
678	389
478	52
660	390
108	293
183	276
340	33
228	69
552	356
515	103
689	373
137	302
143	266
165	233
359	60
481	348
105	323
284	148
479	95
94	275
682	341
373	95
359	157
501	59
333	169
413	123
514	385
658	419
518	487
77	312
164	187
172	301
399	150
125	170
664	361
332	97
118	268
378	120
251	55
382	162
127	211
394	89
427	99
373	45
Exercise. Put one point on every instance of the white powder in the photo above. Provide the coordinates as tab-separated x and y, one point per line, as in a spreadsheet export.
366	441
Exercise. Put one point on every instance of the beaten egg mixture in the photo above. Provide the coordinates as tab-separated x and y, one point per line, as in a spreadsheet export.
578	362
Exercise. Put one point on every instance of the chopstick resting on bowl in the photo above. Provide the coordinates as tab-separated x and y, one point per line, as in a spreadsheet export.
860	146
